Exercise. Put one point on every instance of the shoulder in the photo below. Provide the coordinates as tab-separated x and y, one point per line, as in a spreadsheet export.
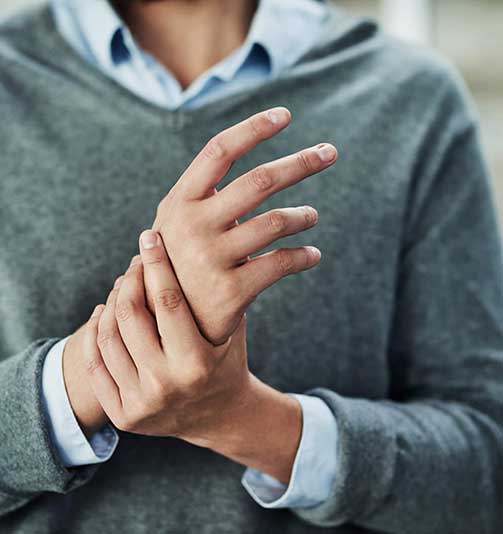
23	33
415	76
419	71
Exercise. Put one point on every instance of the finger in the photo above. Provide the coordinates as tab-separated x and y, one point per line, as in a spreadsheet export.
249	191
112	348
259	232
211	165
262	272
175	323
136	325
103	385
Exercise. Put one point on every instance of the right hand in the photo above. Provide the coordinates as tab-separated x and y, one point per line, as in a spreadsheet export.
209	250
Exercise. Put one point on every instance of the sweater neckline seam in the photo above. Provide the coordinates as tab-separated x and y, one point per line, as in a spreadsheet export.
90	75
178	118
125	100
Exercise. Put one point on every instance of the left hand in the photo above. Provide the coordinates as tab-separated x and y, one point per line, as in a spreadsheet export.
198	224
159	376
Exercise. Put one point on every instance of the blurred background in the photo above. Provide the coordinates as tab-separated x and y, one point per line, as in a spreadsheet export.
469	32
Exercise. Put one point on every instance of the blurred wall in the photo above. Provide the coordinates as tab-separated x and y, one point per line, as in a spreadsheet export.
6	5
469	32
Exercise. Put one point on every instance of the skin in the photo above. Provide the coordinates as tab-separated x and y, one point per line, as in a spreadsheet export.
124	364
210	241
159	376
188	36
198	225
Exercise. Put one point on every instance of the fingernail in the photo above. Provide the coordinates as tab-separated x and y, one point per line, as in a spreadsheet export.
278	115
97	310
118	282
326	152
311	213
149	239
314	253
135	260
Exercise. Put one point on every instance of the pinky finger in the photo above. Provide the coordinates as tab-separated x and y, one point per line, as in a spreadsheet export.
264	271
103	385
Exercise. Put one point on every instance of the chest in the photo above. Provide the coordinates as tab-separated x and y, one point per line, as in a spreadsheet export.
75	200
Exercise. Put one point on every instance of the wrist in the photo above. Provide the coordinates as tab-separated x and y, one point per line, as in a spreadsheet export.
87	410
262	430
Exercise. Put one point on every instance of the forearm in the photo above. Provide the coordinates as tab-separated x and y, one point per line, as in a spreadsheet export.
418	467
28	465
263	431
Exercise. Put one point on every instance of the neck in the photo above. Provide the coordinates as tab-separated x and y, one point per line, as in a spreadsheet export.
188	36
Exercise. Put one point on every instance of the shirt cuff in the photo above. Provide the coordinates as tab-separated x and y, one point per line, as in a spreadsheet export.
314	468
70	442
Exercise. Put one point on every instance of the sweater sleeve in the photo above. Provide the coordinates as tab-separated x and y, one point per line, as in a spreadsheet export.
430	458
29	464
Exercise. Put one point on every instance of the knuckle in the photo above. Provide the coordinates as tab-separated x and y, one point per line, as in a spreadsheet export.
157	393
259	125
158	387
170	299
277	222
196	379
125	310
91	327
106	337
284	262
304	162
140	404
214	148
260	179
152	259
93	364
125	422
147	406
200	379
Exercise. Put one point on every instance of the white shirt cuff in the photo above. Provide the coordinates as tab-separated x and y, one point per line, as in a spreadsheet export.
314	468
67	437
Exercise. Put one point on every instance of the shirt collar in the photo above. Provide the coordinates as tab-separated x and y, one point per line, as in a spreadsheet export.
277	25
274	28
97	25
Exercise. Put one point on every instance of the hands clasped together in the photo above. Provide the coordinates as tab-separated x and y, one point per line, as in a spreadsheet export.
157	375
166	355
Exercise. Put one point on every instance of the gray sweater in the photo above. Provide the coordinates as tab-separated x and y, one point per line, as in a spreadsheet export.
399	329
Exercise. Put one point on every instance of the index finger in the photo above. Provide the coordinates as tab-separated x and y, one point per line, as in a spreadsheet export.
214	161
175	323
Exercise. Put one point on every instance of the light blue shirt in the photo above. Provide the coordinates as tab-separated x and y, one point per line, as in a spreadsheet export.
280	33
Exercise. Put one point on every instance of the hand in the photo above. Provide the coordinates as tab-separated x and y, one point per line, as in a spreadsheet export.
159	376
209	251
